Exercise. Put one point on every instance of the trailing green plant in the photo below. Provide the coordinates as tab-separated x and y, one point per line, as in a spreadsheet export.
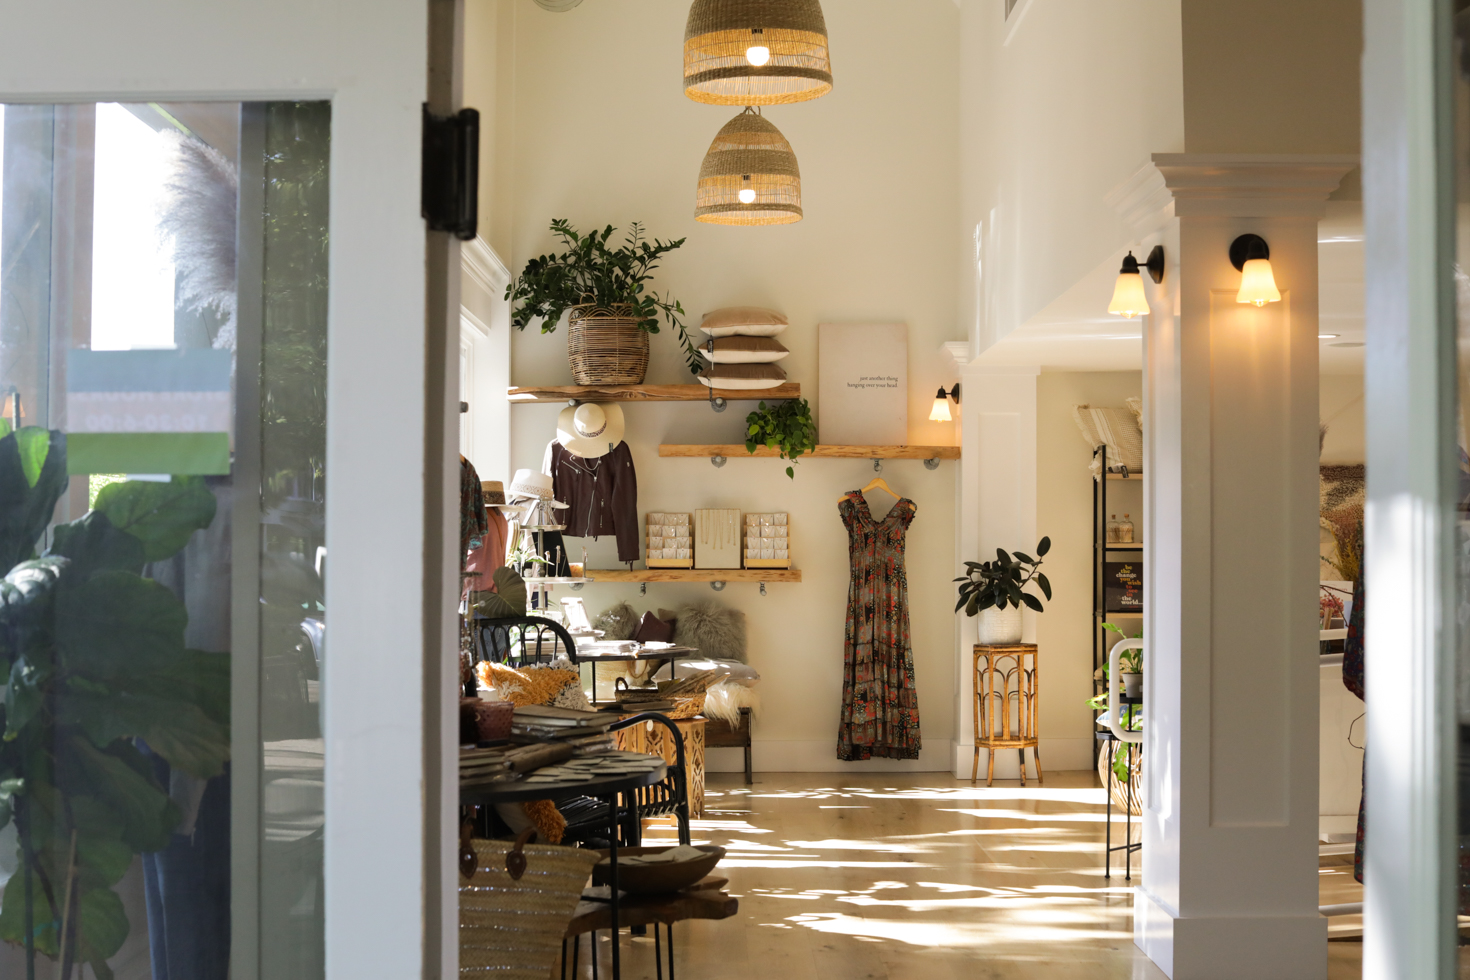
589	272
1002	582
95	660
787	427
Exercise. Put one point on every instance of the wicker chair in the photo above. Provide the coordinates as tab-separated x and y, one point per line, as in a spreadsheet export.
670	796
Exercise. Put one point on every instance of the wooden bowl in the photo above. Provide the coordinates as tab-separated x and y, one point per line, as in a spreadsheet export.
656	879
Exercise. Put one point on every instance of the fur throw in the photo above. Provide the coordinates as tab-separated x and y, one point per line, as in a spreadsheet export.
619	622
716	631
725	699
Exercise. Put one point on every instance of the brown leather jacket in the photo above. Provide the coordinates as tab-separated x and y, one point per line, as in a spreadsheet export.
602	494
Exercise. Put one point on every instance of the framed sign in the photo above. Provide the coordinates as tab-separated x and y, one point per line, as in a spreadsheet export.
1123	586
863	384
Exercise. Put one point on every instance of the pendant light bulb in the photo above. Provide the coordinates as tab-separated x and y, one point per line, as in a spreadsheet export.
1258	284
747	195
757	55
940	411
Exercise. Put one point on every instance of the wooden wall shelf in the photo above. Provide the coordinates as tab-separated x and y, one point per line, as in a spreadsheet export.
737	450
695	574
648	393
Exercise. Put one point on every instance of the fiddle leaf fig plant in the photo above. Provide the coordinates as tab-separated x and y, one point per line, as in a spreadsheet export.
1002	582
589	272
788	427
96	665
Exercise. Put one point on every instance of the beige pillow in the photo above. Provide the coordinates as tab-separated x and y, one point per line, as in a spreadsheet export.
742	350
745	321
742	376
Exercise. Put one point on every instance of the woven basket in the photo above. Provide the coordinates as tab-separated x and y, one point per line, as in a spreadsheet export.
1126	796
605	346
513	929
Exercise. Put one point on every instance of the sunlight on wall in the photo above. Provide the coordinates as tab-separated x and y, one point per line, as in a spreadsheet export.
132	265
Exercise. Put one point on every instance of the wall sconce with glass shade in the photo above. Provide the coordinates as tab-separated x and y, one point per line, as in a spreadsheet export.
940	411
749	176
1129	300
756	52
1252	256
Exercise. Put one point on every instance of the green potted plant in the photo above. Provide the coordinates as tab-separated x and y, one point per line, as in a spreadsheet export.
787	427
995	591
95	660
604	292
1126	760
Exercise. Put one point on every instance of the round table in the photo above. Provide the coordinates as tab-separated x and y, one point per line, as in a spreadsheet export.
604	779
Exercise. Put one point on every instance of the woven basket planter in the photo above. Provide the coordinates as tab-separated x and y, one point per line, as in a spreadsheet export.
1126	796
605	346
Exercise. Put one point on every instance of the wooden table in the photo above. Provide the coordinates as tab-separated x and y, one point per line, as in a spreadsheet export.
1005	673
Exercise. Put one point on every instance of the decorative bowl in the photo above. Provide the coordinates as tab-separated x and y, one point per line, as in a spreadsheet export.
655	879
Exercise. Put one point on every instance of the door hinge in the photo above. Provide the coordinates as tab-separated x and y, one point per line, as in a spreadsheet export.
451	172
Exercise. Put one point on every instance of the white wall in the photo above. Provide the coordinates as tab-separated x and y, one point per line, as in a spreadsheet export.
603	134
1055	112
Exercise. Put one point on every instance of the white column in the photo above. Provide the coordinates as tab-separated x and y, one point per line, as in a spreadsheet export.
1231	571
997	509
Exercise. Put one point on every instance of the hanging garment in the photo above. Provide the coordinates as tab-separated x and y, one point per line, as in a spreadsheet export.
602	492
490	555
472	521
880	704
1352	679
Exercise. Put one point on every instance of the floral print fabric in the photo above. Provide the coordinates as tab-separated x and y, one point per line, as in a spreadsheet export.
880	705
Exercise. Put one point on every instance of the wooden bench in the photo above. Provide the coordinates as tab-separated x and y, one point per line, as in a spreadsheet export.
721	734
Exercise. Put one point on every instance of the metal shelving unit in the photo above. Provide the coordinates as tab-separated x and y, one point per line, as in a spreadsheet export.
1101	549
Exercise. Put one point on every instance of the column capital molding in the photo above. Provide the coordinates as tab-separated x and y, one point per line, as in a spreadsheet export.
1248	185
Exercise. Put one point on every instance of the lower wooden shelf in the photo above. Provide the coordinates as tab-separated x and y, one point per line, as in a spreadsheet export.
737	450
695	574
647	393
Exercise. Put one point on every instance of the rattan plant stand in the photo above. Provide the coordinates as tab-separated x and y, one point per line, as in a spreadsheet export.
1006	678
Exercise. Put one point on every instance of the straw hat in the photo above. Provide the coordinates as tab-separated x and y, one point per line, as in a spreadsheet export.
590	430
529	483
493	490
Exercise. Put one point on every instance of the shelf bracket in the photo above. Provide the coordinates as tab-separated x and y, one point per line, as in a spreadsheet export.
932	463
763	588
717	586
643	588
577	586
717	461
718	404
877	466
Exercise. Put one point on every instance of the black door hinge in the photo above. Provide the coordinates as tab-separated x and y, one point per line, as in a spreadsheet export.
451	190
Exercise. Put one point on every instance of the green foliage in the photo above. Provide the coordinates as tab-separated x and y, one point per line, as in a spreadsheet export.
508	599
589	272
1002	582
95	659
788	426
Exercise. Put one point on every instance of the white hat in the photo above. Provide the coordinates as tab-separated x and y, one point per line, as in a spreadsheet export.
529	483
590	430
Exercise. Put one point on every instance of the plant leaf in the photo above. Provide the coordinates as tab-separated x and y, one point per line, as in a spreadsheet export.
94	545
29	495
161	515
116	624
1043	547
1031	601
1023	558
1045	585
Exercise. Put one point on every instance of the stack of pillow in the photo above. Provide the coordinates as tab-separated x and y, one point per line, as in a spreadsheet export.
742	349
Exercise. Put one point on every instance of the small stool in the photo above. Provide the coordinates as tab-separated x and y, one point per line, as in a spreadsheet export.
1004	673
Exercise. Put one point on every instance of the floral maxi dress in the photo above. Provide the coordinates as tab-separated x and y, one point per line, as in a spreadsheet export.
880	706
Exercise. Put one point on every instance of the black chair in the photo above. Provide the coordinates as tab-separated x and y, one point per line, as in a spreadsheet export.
517	641
586	817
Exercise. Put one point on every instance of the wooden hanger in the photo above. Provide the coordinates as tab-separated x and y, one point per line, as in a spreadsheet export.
876	483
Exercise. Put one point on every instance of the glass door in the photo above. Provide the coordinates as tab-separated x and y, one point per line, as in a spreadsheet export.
163	356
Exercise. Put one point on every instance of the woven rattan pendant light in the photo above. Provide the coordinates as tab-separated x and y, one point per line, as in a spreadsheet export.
749	176
756	52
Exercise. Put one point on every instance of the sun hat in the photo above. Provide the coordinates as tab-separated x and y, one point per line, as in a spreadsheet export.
493	490
590	430
529	483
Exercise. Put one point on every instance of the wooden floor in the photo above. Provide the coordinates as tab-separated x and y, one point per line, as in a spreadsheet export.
922	877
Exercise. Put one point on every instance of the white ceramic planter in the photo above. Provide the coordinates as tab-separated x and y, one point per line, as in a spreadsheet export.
999	627
1132	684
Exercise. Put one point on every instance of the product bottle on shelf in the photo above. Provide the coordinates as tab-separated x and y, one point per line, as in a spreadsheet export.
1112	532
1125	531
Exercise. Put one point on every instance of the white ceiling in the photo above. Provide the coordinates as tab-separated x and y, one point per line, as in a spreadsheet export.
1075	333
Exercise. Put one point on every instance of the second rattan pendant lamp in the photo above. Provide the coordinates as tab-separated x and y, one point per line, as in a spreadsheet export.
756	52
749	175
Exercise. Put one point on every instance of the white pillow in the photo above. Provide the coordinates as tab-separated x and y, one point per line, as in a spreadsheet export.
743	321
742	350
746	376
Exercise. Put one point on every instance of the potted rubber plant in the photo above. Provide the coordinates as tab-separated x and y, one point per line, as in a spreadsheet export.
604	292
995	591
96	664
